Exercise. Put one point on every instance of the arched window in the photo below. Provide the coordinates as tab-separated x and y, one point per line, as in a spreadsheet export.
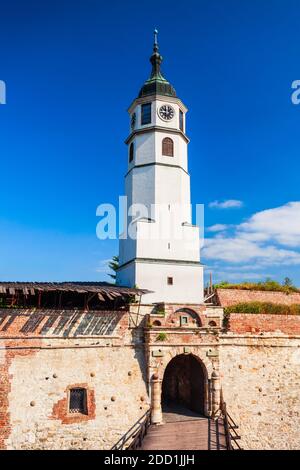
168	147
131	152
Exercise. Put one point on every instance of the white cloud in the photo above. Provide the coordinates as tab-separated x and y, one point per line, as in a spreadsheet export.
217	228
281	225
237	275
238	250
229	204
268	238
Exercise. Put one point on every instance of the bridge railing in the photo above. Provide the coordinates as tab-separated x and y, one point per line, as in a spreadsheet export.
231	435
133	438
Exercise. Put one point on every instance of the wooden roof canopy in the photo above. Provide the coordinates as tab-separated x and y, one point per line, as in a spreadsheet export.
102	291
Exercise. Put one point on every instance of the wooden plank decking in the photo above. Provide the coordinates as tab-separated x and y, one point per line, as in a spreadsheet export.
185	431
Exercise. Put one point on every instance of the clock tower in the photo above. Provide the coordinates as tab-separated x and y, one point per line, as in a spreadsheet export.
160	248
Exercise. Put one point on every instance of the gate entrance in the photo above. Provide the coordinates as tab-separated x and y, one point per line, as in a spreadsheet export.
184	384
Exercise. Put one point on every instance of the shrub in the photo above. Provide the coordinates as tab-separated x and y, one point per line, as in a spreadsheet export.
266	308
161	337
226	320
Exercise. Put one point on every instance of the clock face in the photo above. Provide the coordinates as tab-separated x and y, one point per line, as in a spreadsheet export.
133	121
166	112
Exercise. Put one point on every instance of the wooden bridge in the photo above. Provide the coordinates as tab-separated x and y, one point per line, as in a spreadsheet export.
182	429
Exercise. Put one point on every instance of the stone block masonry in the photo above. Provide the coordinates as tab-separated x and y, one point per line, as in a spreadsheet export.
38	407
260	377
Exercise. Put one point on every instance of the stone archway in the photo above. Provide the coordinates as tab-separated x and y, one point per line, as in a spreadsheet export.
184	384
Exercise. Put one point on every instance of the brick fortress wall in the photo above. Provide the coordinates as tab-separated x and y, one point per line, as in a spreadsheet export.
227	297
45	353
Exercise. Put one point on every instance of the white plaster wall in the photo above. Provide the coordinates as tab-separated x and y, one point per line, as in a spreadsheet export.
180	150
160	185
144	149
187	282
172	186
148	149
140	186
153	242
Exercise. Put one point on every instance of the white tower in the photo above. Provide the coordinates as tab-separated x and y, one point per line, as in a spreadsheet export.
161	252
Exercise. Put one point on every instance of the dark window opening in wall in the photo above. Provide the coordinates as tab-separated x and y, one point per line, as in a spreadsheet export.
78	401
170	281
184	321
131	152
146	114
181	124
168	147
212	323
169	246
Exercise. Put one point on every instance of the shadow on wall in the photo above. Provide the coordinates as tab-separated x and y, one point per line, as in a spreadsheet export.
139	354
64	323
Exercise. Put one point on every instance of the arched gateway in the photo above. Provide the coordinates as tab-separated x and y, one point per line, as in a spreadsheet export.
184	384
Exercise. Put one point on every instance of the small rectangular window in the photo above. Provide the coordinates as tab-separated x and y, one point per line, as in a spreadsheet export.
181	124
183	321
78	402
131	152
146	114
170	281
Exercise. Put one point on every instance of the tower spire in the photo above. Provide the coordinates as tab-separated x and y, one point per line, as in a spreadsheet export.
156	59
156	84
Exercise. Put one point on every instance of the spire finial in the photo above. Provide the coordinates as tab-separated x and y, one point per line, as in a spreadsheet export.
155	40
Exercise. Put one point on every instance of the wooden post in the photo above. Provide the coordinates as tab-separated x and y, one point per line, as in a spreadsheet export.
39	299
59	300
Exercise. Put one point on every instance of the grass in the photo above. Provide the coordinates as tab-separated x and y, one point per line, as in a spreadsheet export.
268	285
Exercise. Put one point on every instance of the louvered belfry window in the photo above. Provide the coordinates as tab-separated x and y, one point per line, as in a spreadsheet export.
168	147
78	401
146	114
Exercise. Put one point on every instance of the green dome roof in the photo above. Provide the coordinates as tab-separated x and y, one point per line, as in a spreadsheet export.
156	84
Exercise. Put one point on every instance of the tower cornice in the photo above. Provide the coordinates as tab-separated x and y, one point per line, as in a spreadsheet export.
143	165
146	99
157	129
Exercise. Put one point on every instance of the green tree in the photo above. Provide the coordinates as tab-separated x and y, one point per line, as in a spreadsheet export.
288	282
113	265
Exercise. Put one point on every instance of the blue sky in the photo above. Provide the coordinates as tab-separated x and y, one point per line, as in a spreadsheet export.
73	68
